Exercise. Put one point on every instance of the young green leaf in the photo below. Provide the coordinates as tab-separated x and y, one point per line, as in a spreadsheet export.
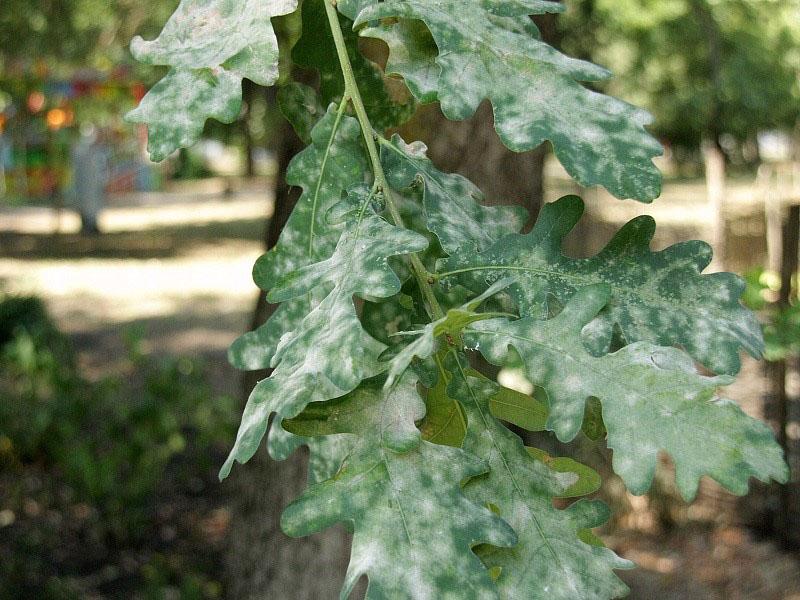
534	89
588	480
413	526
658	297
528	412
445	422
450	325
210	45
652	399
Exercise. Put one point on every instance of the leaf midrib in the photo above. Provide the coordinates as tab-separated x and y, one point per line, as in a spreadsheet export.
511	475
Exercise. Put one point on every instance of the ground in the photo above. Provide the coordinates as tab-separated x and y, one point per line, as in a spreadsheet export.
176	266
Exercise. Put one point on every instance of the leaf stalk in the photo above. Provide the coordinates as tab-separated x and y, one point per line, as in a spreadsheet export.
352	93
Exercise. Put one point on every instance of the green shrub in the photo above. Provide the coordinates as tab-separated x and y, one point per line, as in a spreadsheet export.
111	441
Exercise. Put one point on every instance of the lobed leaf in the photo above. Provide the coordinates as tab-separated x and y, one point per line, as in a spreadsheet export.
652	399
413	527
412	54
659	297
210	45
549	561
329	353
453	209
488	49
334	162
325	170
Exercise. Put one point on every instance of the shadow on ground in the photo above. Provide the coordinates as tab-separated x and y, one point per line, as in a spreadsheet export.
158	242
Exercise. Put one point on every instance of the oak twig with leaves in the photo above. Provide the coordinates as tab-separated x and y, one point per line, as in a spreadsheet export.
390	274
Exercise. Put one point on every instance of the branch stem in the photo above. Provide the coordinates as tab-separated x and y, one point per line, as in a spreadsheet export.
352	92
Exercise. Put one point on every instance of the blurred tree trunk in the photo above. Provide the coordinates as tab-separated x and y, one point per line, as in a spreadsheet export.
714	167
713	156
249	91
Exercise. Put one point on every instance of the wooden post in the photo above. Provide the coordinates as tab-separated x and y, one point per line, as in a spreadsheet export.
773	215
714	161
789	264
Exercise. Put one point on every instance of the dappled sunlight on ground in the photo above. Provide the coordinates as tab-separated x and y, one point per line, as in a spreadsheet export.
172	269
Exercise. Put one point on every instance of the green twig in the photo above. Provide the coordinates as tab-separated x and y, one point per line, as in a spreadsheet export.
352	92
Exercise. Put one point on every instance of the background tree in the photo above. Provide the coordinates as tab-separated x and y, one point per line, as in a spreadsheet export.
82	33
701	68
714	74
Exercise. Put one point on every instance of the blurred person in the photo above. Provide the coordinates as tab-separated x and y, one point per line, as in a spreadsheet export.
90	165
5	161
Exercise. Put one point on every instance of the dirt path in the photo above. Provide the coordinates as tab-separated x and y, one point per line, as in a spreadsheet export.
174	267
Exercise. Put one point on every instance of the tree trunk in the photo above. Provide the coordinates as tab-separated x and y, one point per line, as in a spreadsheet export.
713	156
249	91
789	260
264	564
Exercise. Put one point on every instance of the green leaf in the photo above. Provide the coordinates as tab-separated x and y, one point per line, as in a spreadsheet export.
588	480
359	265
209	34
453	209
254	350
549	562
658	297
177	107
210	45
486	50
331	165
450	326
325	170
302	107
593	426
652	399
325	453
445	422
413	527
316	50
522	410
329	353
